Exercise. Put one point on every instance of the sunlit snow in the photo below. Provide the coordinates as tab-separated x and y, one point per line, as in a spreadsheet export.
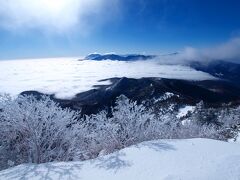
189	159
184	111
65	77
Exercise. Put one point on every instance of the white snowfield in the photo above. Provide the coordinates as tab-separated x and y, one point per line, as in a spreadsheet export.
65	77
192	159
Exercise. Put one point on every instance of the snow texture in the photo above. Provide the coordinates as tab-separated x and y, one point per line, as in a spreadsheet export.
184	111
65	77
191	159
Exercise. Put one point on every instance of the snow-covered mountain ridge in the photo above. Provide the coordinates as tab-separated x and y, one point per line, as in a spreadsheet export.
116	57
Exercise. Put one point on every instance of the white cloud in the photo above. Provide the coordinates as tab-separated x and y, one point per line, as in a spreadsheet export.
228	51
51	15
65	77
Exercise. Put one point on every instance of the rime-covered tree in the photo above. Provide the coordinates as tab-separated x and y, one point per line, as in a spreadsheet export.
36	131
132	121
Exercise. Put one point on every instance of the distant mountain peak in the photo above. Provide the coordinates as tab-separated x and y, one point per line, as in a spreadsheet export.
171	54
111	56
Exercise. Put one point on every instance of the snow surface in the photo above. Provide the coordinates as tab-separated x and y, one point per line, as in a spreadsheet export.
65	77
182	112
165	96
192	159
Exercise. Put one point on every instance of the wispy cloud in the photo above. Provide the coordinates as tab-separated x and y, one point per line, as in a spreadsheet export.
228	51
58	16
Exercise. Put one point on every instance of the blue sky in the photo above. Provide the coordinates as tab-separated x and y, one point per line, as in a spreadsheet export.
78	27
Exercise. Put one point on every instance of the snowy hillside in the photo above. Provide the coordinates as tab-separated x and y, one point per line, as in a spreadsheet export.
66	77
192	159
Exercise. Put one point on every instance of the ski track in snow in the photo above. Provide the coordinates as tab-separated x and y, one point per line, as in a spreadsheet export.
65	77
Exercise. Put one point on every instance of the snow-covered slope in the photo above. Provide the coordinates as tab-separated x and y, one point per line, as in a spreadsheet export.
193	159
66	77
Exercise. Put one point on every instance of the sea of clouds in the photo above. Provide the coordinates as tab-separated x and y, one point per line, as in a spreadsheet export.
65	77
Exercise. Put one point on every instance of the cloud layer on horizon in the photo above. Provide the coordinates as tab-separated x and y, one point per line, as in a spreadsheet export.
57	16
228	51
